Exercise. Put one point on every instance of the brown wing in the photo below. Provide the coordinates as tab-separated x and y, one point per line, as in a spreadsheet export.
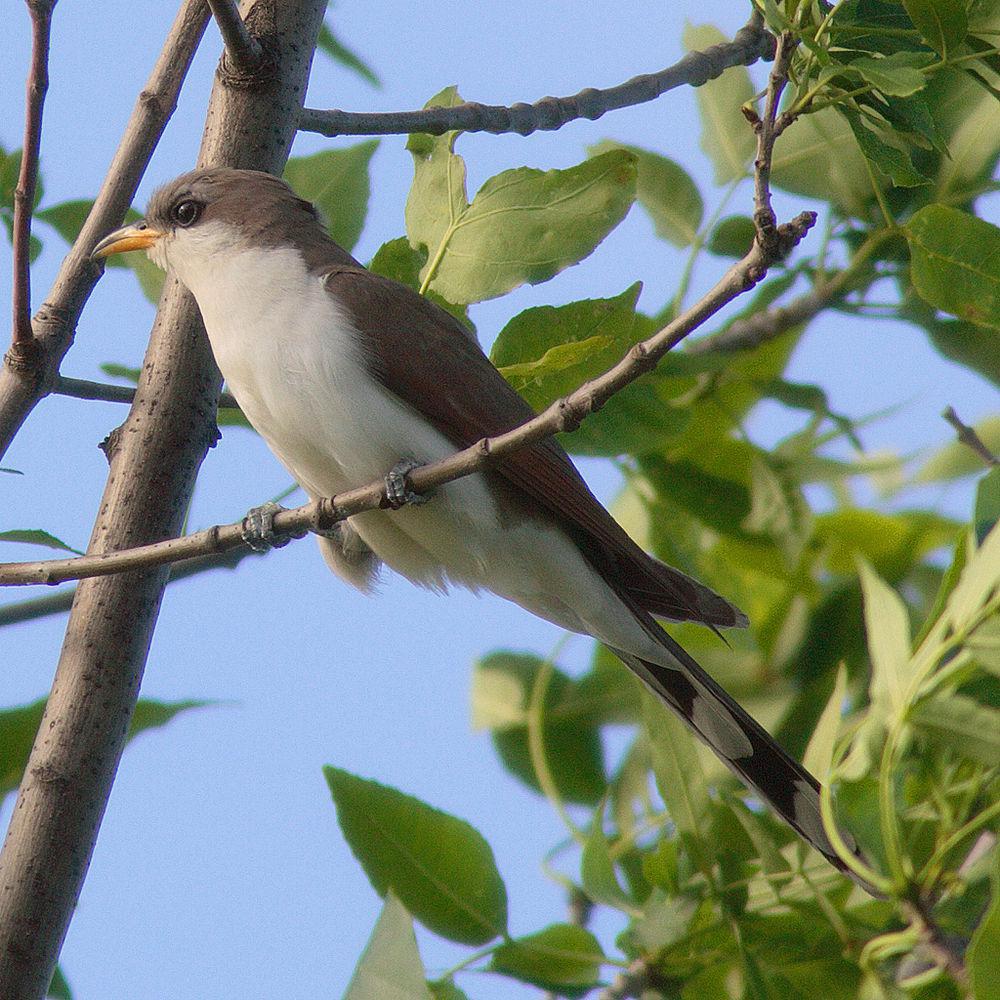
420	349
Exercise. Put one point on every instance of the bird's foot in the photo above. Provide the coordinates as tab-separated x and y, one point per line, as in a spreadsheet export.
397	488
258	528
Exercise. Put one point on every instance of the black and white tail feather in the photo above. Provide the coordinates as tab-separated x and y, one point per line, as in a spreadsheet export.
738	740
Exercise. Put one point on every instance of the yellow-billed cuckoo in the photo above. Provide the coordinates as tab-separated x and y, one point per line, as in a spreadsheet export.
348	375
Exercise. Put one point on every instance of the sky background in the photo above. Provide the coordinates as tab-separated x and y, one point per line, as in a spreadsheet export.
220	870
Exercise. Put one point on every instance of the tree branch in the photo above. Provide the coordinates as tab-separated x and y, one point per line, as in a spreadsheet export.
243	51
81	388
752	42
154	458
24	381
563	415
22	339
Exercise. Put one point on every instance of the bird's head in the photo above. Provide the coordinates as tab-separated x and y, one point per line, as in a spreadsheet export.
207	213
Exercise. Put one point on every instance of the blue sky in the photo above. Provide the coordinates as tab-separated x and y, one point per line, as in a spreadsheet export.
220	869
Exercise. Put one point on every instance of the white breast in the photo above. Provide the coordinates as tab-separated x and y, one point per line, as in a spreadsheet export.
292	358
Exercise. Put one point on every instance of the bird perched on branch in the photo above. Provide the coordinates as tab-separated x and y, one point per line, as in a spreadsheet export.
351	377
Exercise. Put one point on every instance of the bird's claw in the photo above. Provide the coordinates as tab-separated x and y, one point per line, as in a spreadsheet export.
397	488
258	528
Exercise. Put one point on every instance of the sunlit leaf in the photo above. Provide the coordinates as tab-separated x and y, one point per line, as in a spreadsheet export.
390	966
35	536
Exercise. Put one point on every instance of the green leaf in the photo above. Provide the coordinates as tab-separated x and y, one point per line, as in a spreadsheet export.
441	869
983	956
337	182
390	967
329	43
437	198
548	351
400	261
666	191
68	217
966	344
59	988
956	263
726	137
679	776
897	75
19	725
979	578
891	162
639	419
562	957
445	989
961	723
732	236
888	627
987	504
35	536
502	684
818	757
819	158
121	371
523	226
942	23
597	870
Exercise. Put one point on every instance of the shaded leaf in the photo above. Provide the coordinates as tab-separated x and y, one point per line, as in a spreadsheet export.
597	870
35	536
666	191
987	512
390	967
501	692
329	43
562	957
441	868
19	725
726	137
337	182
970	729
445	989
942	23
956	263
897	75
983	957
954	460
893	163
732	236
679	776
59	988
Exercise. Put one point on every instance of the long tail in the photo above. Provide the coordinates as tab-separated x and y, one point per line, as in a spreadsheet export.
739	741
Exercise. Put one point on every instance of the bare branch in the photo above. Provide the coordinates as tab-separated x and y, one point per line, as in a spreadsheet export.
752	42
154	457
81	388
22	345
23	382
243	51
970	438
16	612
564	414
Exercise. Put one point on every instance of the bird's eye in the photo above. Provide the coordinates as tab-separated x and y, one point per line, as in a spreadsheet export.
186	213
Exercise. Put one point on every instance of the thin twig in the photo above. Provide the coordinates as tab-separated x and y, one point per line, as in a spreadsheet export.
243	51
970	438
751	43
22	339
563	415
24	381
81	388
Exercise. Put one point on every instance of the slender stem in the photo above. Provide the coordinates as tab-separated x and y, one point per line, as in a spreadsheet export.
242	49
751	43
81	388
22	337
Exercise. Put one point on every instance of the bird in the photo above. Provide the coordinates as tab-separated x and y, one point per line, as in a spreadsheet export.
351	377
